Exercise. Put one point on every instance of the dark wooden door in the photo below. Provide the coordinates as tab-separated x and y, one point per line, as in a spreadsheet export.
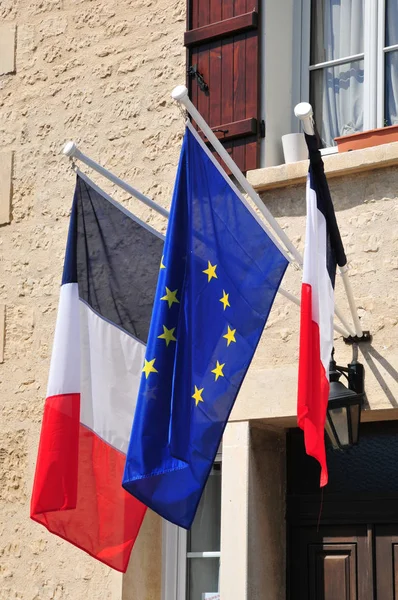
386	537
223	45
354	555
332	563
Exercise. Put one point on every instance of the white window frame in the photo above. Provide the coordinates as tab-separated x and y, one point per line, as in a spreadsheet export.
175	556
373	57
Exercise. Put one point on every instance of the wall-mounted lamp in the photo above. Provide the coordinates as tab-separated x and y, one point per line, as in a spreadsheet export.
345	404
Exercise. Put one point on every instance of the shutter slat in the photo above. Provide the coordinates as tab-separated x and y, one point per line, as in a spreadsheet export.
252	96
221	29
215	76
203	13
203	67
215	67
215	11
239	91
239	83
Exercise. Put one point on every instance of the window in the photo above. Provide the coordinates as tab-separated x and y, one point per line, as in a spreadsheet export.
337	67
352	62
390	52
203	541
191	559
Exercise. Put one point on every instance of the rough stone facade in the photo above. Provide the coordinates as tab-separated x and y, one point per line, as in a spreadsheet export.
101	74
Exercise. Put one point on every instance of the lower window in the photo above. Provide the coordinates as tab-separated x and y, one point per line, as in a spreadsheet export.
191	559
203	542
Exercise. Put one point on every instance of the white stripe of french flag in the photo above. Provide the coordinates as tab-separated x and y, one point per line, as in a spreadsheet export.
316	334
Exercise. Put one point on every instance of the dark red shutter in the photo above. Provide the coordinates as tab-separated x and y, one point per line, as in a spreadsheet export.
224	48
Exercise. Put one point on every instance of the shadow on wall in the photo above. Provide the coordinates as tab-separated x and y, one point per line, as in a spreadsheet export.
347	192
374	360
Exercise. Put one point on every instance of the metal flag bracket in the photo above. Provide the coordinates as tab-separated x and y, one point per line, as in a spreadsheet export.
351	340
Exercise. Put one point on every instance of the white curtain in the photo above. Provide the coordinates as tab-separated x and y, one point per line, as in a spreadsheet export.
337	92
391	75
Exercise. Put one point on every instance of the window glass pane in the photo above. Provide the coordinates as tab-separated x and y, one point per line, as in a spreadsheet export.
391	22
203	575
336	29
391	89
336	93
340	422
204	535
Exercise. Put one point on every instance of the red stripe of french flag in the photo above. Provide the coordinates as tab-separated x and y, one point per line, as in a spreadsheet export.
77	492
316	335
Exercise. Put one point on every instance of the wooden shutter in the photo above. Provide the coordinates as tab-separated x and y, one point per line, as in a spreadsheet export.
223	47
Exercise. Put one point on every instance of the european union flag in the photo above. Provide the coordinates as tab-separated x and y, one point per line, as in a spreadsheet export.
217	282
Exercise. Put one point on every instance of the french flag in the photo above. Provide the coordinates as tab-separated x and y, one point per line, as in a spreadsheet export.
323	250
108	285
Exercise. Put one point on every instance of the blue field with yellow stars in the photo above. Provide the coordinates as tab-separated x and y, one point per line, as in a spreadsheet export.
217	281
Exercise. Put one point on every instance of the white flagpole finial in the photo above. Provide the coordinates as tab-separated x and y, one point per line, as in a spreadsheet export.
304	112
179	93
69	149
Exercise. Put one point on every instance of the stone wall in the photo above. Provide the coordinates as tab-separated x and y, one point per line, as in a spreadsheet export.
99	73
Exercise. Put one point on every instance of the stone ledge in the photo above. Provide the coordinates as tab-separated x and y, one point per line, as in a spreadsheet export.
336	165
270	395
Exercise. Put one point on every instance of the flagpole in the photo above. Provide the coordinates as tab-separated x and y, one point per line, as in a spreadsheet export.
304	112
180	95
351	300
72	151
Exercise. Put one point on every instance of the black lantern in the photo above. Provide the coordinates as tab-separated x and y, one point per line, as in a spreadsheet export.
345	404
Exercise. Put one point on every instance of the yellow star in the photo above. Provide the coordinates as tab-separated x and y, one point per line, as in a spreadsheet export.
218	370
225	299
167	335
170	297
162	266
198	396
230	335
210	271
149	368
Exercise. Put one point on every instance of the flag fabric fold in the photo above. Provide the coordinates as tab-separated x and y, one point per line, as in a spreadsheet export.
108	285
323	249
220	273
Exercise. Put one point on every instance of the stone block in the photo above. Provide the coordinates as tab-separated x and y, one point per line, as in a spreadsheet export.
5	186
2	331
13	457
7	48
